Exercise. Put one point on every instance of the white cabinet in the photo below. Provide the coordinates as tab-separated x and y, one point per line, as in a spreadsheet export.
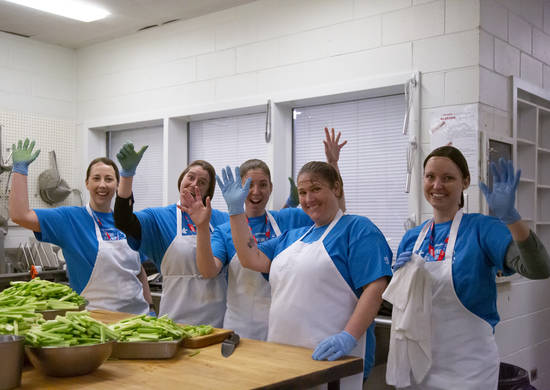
532	135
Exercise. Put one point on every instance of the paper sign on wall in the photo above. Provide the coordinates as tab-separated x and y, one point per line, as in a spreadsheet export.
457	125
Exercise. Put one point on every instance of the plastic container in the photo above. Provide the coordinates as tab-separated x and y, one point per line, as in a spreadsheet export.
512	377
11	350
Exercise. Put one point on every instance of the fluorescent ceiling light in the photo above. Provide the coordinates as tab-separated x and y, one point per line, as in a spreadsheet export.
68	8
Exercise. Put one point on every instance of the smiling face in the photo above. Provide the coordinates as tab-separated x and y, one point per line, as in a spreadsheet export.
101	185
195	176
443	186
318	198
260	191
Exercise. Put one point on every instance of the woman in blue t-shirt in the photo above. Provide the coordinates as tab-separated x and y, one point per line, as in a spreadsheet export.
168	236
462	254
248	292
100	264
326	280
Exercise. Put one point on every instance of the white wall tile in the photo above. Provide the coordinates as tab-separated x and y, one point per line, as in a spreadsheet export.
506	59
486	118
446	52
173	73
246	84
494	89
531	70
462	86
519	33
217	64
546	77
260	55
197	42
494	18
519	299
486	50
541	46
532	11
355	35
377	7
413	23
547	17
432	90
5	49
304	46
461	15
511	335
49	87
503	123
236	33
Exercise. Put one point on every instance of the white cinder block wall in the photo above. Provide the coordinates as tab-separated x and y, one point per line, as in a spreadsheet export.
37	94
515	41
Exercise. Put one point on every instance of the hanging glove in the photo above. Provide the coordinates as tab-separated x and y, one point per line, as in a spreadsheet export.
129	159
292	200
402	259
232	191
501	200
335	346
23	156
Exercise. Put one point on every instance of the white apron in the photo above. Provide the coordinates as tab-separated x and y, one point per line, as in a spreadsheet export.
248	298
187	297
310	300
113	284
464	351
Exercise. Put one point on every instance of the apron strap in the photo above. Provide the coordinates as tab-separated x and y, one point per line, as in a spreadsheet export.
97	231
273	224
453	234
334	221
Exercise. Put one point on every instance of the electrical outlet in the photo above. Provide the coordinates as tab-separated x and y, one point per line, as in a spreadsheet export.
533	373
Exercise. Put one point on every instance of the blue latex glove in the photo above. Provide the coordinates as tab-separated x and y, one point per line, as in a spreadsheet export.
335	346
129	159
292	200
501	200
152	313
402	259
23	156
232	191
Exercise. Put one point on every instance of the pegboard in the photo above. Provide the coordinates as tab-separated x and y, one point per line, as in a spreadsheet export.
49	134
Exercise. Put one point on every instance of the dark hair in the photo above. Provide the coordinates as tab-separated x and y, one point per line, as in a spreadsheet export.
211	175
326	172
455	156
254	163
106	161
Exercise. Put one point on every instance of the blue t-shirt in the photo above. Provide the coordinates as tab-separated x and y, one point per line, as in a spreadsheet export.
290	218
158	229
359	251
73	230
480	249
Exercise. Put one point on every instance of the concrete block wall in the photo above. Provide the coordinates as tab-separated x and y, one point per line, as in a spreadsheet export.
515	41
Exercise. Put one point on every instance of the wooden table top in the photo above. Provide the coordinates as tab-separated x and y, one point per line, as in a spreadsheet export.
254	364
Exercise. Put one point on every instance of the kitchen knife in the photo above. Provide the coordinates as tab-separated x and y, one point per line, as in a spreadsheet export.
229	344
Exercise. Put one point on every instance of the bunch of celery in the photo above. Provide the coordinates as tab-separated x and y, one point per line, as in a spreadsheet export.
42	294
146	328
76	328
17	320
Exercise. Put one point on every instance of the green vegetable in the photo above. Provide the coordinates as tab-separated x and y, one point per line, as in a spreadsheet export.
42	294
17	320
198	330
76	328
146	328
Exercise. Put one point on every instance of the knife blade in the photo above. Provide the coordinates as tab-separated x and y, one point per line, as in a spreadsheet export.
229	344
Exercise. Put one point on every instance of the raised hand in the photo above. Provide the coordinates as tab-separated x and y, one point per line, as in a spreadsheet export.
129	158
332	146
23	156
501	200
232	190
198	211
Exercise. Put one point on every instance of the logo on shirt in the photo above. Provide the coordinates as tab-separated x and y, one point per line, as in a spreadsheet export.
112	234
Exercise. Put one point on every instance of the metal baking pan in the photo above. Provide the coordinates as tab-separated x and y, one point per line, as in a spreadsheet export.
145	349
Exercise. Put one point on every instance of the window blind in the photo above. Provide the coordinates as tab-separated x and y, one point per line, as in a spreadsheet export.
227	141
147	184
372	164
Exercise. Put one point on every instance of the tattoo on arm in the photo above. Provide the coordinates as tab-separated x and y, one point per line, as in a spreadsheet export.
251	242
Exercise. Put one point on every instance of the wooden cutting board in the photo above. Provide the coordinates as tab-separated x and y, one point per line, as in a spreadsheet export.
217	336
